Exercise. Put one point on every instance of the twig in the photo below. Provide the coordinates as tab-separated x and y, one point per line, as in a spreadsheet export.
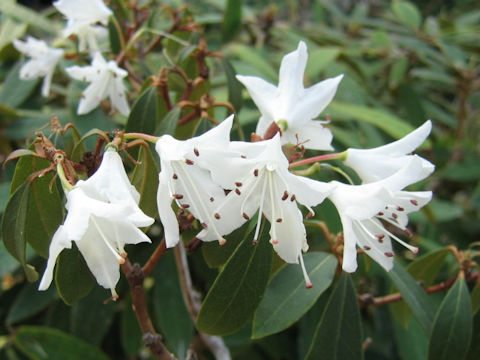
154	258
151	338
192	299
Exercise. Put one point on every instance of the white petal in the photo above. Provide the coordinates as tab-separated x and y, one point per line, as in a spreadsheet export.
349	245
313	101
263	95
117	96
381	252
308	191
59	242
167	216
293	65
85	73
312	135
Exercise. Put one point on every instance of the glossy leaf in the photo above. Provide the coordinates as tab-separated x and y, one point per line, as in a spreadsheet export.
145	180
407	13
171	313
72	276
232	20
169	122
416	298
144	114
474	350
287	299
339	332
131	334
15	91
452	327
319	59
238	289
234	86
216	255
412	343
91	317
9	31
29	302
39	343
476	298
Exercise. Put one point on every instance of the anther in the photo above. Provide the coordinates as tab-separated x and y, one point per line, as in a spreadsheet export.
245	216
414	202
293	198
204	225
274	241
217	216
255	172
380	237
222	241
212	199
380	213
177	196
196	152
395	216
238	183
285	195
255	241
309	215
175	176
399	208
389	254
366	247
279	220
185	206
243	156
408	232
188	162
237	191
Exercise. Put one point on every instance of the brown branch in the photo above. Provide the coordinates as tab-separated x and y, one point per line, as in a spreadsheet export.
367	299
193	302
154	258
151	339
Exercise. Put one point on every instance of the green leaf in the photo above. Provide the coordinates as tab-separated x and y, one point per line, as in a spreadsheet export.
416	298
425	269
476	298
25	15
232	20
169	122
238	289
319	59
407	13
40	343
72	276
144	114
114	38
29	302
234	86
216	255
14	90
452	327
171	313
287	299
131	336
474	351
256	58
91	317
398	72
388	122
145	180
339	332
412	343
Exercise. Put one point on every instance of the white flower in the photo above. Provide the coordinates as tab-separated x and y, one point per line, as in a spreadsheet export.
106	80
103	216
43	62
378	163
361	207
292	106
259	178
81	18
184	180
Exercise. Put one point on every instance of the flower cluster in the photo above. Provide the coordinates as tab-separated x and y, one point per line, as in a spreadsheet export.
85	20
225	183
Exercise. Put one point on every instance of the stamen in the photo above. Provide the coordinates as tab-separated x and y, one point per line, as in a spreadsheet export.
309	215
272	203
114	295
222	241
204	225
177	196
399	208
366	247
293	198
389	254
279	220
188	162
238	183
285	195
255	172
120	259
274	241
380	213
185	206
237	191
260	212
245	216
243	156
380	237
217	216
395	216
196	152
212	199
414	202
408	246
308	283
175	176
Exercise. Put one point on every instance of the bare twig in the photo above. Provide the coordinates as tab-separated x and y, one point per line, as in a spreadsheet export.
151	338
192	299
154	258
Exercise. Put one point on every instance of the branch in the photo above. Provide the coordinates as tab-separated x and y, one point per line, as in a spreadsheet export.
192	299
154	258
151	339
